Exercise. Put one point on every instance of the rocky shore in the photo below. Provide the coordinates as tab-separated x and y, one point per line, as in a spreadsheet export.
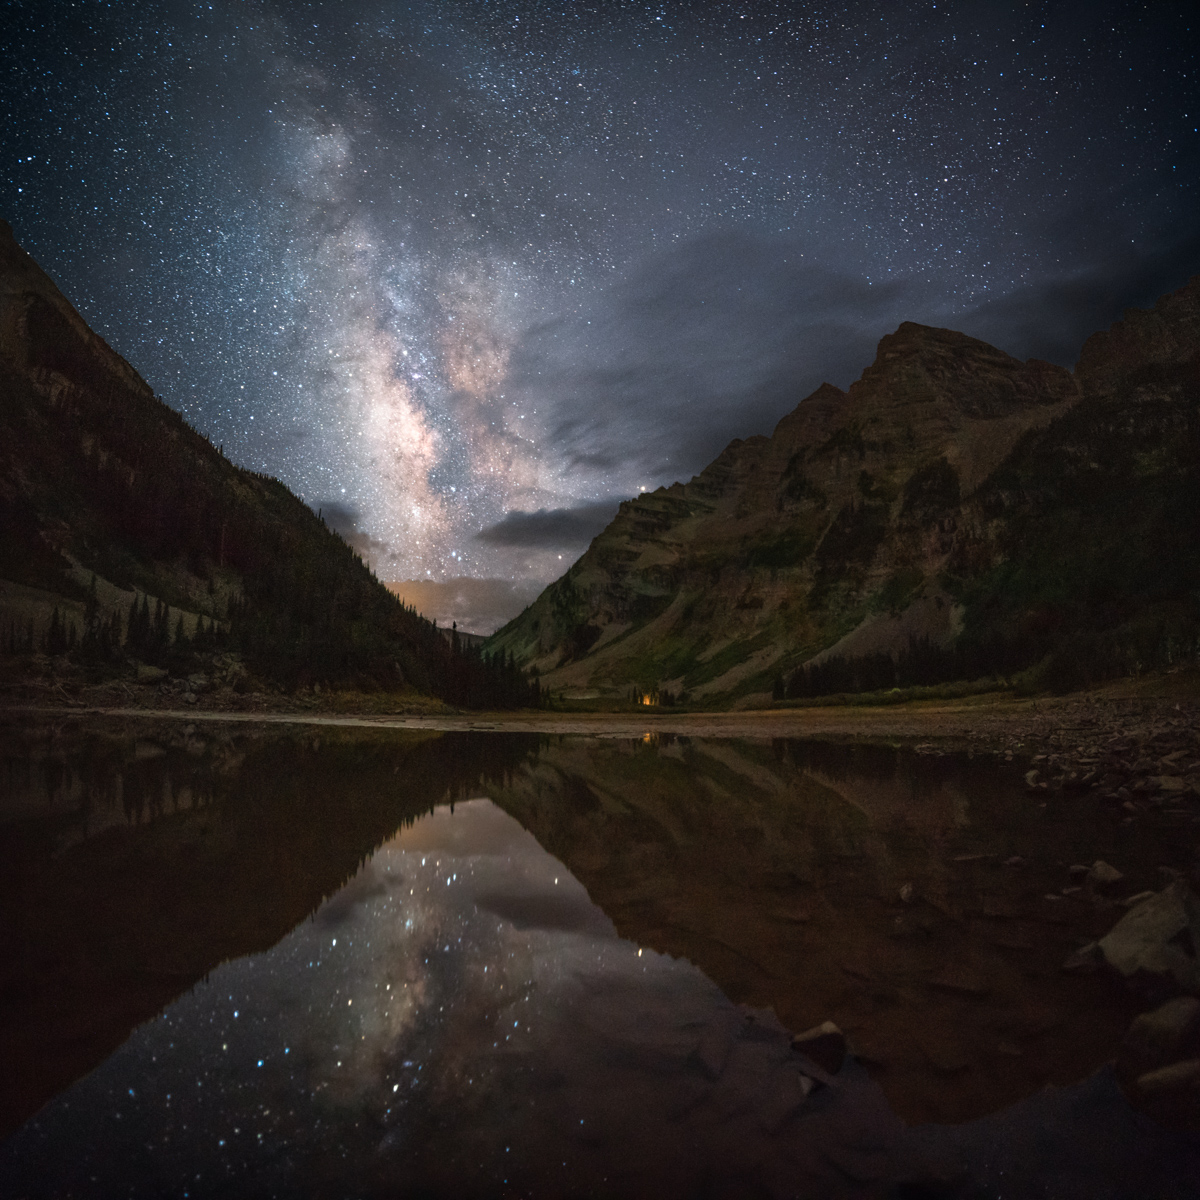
1131	750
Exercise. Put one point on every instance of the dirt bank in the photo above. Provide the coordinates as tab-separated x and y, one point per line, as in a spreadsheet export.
1138	739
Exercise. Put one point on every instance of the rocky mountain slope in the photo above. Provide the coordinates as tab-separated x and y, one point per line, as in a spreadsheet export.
127	539
956	513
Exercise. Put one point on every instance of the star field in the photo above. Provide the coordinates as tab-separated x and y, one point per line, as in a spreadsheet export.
437	264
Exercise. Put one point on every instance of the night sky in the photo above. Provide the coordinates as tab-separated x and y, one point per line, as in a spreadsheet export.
463	275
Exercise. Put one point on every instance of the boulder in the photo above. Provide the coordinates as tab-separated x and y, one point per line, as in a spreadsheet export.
1178	1077
1157	1039
1171	1095
1086	958
824	1044
1158	938
1103	875
1171	783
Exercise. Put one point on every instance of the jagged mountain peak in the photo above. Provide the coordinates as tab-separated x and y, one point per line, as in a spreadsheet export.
854	513
814	416
1161	337
922	363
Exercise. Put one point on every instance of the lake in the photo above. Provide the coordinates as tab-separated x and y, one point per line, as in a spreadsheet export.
290	960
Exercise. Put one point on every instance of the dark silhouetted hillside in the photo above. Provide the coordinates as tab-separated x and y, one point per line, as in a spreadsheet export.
126	536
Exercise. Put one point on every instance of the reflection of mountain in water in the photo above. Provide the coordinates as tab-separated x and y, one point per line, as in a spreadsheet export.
135	858
779	869
459	1021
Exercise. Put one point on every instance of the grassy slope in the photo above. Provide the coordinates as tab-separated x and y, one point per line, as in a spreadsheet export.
94	466
1077	553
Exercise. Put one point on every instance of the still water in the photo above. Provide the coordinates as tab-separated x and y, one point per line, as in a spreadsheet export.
336	963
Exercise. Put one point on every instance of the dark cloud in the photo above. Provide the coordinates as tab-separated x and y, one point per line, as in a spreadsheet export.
722	335
476	605
670	225
1052	317
716	338
551	528
344	519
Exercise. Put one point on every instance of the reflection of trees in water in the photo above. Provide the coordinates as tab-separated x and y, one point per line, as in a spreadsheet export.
135	788
18	773
185	855
849	761
53	772
145	777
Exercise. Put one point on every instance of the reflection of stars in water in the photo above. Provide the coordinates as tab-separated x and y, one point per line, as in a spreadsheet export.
455	1022
393	999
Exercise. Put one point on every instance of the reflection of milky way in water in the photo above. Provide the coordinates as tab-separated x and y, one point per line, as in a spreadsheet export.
461	1020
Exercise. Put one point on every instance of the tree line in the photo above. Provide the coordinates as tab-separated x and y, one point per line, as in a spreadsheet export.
148	501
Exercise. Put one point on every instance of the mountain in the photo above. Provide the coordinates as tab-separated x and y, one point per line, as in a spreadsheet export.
128	540
957	513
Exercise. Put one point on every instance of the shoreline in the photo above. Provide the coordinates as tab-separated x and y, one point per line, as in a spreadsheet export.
989	716
1126	766
1135	741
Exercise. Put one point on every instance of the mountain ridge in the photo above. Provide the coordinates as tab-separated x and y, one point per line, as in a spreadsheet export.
867	506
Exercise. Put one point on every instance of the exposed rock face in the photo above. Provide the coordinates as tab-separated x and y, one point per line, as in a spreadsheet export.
1144	344
869	518
772	552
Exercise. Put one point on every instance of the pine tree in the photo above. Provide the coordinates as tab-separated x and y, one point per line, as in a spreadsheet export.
162	627
56	641
93	609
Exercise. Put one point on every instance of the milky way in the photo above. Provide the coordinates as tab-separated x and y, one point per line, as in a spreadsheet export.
438	266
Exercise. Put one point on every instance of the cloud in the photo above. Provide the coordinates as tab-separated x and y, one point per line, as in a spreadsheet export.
344	519
716	338
551	528
1053	317
477	605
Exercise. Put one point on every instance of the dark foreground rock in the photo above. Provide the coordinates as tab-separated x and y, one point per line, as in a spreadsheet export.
1154	945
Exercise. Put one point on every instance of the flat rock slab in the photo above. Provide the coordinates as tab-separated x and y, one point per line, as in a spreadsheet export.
1147	939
